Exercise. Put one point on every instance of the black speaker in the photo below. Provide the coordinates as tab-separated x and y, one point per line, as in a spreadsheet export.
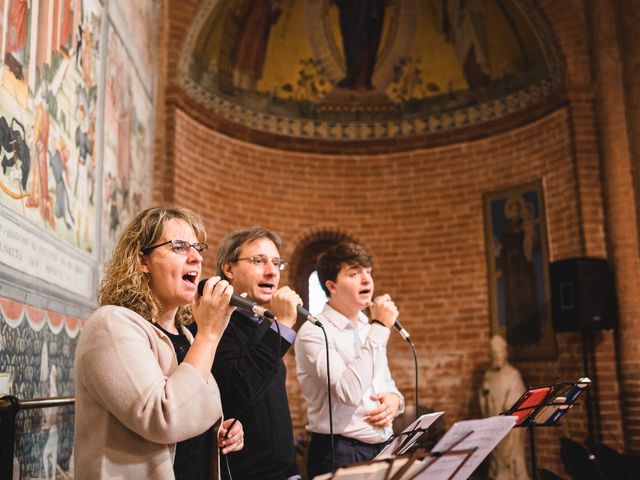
582	294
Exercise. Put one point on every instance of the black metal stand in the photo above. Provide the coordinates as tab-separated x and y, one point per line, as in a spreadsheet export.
559	397
8	411
9	407
532	446
587	337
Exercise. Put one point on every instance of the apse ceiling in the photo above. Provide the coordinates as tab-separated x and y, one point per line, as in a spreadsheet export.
357	71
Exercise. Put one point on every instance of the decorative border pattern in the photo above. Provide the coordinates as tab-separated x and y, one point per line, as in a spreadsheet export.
15	313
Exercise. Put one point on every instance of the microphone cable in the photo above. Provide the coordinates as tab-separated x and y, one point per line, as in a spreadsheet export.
326	345
256	394
404	334
415	366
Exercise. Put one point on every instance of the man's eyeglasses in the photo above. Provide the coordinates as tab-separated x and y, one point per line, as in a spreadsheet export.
181	247
260	260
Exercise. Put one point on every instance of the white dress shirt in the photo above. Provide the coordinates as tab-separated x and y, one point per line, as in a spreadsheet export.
357	372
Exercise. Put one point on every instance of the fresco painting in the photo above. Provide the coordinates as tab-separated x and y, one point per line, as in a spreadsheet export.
127	151
134	20
52	128
401	58
36	352
48	88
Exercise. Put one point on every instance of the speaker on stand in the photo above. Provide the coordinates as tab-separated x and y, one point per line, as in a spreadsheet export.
583	299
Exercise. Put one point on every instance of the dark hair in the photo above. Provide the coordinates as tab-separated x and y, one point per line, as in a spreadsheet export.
229	249
345	253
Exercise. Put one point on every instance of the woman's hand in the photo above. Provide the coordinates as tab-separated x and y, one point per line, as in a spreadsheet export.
230	436
212	310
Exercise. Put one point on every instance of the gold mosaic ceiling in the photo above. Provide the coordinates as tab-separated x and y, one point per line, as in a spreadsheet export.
357	70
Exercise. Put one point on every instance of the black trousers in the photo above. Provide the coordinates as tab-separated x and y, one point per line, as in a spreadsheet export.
347	451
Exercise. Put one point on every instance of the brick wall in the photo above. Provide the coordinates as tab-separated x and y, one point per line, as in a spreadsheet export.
420	214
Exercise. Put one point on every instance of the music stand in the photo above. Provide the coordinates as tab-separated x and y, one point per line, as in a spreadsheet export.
544	407
421	454
456	455
402	442
404	467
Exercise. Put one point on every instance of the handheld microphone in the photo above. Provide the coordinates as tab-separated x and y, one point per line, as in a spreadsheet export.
402	331
304	313
241	302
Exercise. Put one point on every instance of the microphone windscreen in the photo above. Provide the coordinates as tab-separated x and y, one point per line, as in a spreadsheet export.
201	285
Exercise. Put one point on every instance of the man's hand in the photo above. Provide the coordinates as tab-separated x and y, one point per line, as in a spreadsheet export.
284	304
383	415
384	310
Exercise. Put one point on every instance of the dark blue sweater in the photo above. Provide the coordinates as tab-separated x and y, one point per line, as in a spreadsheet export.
244	360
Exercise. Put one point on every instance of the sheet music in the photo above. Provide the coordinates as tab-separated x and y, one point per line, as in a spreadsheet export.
442	468
373	471
423	422
480	435
483	434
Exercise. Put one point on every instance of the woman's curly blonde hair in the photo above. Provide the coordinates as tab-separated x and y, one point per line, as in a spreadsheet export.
124	283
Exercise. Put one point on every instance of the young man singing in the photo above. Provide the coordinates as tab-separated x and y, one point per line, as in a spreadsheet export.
365	399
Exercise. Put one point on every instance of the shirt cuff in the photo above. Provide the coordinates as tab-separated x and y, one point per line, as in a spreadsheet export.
379	334
286	332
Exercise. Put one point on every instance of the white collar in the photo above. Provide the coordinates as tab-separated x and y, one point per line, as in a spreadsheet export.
339	320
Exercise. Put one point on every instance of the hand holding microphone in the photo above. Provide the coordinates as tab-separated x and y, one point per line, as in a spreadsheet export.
384	310
241	302
213	311
284	304
248	304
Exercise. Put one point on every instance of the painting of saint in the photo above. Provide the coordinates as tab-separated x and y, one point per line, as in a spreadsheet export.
517	257
518	241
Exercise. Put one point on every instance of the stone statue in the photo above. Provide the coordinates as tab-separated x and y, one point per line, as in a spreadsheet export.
501	386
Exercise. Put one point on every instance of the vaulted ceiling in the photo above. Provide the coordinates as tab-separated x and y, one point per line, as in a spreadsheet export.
367	72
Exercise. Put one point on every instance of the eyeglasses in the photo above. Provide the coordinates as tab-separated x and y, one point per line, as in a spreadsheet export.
260	260
181	247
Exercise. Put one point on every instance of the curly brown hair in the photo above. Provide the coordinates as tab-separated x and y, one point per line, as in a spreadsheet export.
124	283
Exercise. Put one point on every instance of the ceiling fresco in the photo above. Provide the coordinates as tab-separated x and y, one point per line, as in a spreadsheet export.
368	70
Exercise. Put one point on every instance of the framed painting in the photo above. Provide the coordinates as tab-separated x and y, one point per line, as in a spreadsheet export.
518	260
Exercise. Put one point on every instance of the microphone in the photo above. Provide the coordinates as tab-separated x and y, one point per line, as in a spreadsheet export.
402	331
304	313
241	302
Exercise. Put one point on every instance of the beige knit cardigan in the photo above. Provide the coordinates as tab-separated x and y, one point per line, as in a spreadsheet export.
133	401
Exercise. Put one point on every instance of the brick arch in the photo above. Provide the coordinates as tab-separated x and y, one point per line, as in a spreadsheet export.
303	260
